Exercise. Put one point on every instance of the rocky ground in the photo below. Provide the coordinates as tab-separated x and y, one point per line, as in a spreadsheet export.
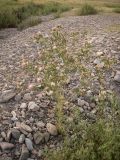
27	116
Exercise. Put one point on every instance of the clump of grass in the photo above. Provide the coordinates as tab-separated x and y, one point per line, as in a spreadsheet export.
12	16
87	9
116	10
54	7
29	22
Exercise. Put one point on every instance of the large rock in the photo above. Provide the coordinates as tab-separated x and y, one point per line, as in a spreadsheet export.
29	144
6	95
6	146
15	133
24	153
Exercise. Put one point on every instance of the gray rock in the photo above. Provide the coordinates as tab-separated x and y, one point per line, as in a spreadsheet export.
25	127
24	153
23	106
33	106
3	134
9	135
40	124
22	138
6	146
27	97
81	102
15	133
117	76
46	136
18	97
6	95
38	138
29	144
52	129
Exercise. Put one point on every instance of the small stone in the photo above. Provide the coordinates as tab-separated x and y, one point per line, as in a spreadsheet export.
99	53
33	106
3	134
15	133
96	61
52	129
9	135
40	153
22	138
23	106
6	146
46	137
29	144
101	65
18	97
117	76
81	102
40	124
24	153
27	97
25	127
6	95
31	119
38	138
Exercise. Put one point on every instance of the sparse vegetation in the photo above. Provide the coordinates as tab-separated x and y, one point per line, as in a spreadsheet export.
29	22
13	13
84	139
116	10
87	9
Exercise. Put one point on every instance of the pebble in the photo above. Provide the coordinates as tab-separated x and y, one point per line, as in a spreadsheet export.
22	138
18	97
46	137
25	127
38	137
52	129
24	153
40	124
117	76
15	133
3	134
81	102
6	146
27	97
9	135
33	106
29	144
23	106
6	95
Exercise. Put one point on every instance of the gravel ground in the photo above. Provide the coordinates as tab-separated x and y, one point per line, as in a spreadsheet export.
20	47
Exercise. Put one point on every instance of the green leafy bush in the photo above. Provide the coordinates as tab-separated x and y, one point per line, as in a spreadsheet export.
87	9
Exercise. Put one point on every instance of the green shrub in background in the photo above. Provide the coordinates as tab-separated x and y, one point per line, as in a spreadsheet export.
116	10
12	13
87	9
29	22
